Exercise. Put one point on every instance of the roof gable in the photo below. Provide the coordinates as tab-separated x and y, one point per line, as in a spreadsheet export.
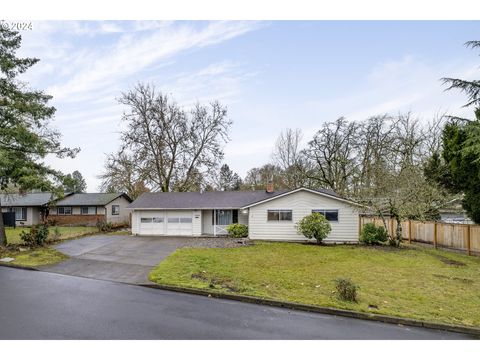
322	192
90	199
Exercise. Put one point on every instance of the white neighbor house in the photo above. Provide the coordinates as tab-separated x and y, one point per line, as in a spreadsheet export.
270	215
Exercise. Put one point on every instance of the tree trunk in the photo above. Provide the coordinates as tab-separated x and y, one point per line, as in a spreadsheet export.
398	232
3	235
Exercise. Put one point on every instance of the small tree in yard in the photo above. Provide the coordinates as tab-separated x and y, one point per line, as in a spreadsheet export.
314	226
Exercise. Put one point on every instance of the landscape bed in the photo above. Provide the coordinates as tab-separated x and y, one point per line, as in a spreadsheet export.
413	282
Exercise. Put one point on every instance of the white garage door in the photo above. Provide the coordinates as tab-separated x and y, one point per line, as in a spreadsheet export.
179	223
152	223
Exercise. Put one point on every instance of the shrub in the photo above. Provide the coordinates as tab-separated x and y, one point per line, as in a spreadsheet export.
346	289
373	234
104	226
237	230
37	236
56	234
314	226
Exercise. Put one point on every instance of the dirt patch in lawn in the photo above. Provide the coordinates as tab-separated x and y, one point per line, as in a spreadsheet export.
463	280
448	261
215	282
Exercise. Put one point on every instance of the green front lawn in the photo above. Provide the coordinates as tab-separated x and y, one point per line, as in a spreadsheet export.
36	257
66	232
412	282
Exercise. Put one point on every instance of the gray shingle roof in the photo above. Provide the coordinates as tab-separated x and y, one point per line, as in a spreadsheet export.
33	199
206	200
88	199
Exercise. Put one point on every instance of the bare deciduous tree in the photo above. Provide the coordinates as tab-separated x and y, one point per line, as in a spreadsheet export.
287	154
172	148
333	153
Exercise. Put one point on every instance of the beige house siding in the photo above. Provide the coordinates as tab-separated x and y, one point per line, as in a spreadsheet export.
302	203
124	215
34	216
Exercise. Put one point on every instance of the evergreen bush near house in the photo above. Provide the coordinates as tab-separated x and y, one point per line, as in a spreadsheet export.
373	235
104	226
314	226
237	230
37	236
346	289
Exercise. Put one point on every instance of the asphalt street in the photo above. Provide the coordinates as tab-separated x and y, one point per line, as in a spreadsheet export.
41	305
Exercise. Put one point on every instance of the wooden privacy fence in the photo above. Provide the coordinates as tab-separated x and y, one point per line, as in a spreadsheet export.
453	236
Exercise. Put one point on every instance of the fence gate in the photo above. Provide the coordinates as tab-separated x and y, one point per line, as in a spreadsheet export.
9	219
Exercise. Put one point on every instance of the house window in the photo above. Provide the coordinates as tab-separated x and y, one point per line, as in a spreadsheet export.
115	209
330	215
64	210
20	213
88	210
158	220
279	215
185	220
146	220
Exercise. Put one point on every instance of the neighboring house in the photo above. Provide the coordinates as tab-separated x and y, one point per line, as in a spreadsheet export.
88	208
29	209
270	215
453	212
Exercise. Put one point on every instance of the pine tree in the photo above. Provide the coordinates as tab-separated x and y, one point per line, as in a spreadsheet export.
25	136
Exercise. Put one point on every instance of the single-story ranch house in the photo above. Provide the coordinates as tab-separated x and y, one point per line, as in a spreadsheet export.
30	209
88	208
270	215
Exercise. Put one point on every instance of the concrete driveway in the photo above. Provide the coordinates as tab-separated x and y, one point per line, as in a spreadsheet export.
121	258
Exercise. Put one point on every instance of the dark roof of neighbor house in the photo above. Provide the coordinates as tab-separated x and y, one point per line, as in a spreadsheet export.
208	199
89	199
29	199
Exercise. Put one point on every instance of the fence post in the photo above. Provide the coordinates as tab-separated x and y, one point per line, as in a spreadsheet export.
391	226
469	251
435	234
409	231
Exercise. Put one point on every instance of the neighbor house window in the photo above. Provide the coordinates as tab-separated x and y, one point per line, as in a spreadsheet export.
88	210
146	220
64	210
20	213
330	215
115	209
158	220
279	215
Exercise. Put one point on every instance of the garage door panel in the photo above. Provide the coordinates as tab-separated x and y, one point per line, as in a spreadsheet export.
152	222
180	223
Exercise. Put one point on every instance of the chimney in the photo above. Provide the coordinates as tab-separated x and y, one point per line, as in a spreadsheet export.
270	188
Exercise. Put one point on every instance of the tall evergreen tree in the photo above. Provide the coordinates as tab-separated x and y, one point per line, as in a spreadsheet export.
25	135
75	182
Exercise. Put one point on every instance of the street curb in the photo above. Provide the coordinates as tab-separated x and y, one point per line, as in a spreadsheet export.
18	266
322	310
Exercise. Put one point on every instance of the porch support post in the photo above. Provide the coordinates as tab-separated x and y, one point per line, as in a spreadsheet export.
214	222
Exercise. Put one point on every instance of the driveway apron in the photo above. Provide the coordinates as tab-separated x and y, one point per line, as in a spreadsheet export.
121	258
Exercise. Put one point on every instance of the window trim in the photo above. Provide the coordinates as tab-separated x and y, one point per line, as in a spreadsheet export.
117	212
280	211
64	207
23	213
324	211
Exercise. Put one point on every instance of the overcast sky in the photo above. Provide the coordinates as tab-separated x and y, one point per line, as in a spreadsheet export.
271	75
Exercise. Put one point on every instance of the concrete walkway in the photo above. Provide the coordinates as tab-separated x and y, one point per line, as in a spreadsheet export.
121	258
